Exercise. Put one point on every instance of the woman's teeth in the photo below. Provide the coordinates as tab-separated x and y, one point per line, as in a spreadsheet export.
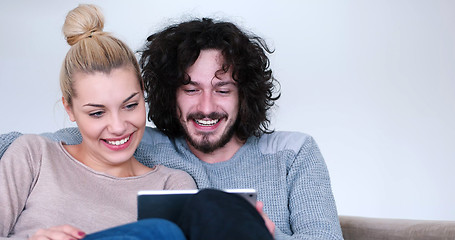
207	122
119	142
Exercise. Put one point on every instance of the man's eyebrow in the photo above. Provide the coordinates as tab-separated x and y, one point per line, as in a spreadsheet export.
101	105
192	83
224	83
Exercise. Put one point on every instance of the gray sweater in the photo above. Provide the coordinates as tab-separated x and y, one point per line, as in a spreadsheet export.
286	168
48	187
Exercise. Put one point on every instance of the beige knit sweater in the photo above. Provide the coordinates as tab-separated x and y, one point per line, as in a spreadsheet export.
41	186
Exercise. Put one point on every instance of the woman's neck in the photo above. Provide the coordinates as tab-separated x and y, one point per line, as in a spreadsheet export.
129	168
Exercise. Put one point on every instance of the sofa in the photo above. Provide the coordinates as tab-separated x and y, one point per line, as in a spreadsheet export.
363	228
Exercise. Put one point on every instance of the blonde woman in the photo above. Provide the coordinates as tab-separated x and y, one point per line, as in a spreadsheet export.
50	190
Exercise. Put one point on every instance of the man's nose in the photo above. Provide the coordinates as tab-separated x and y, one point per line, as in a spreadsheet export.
206	103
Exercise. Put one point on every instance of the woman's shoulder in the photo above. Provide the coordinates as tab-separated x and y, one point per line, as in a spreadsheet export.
176	178
27	151
32	141
169	171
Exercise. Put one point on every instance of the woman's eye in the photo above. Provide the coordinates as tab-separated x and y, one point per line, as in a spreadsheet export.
131	106
96	114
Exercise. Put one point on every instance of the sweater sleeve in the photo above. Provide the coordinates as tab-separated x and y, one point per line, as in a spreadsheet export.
313	213
19	167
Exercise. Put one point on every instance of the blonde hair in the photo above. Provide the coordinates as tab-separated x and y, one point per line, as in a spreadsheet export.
91	49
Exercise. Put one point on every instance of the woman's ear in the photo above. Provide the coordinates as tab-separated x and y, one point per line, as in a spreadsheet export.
68	109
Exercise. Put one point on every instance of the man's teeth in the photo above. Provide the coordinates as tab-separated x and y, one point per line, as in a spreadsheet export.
207	122
119	142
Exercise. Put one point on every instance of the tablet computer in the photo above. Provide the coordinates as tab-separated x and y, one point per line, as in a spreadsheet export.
168	204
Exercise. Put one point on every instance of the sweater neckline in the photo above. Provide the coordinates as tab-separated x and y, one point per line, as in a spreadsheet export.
86	168
183	145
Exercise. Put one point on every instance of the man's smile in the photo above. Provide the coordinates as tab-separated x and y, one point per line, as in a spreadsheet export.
206	123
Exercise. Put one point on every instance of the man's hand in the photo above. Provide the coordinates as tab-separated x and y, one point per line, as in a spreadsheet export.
63	232
268	223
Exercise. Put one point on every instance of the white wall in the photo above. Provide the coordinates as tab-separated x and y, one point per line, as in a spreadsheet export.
373	82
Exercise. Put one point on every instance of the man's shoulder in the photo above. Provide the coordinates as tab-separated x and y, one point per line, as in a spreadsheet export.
154	136
283	140
69	135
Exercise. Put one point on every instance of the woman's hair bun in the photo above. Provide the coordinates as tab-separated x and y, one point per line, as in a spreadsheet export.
85	21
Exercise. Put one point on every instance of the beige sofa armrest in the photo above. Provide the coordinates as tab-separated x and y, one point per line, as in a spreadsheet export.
356	228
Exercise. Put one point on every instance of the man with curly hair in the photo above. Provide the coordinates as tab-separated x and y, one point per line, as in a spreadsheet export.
209	89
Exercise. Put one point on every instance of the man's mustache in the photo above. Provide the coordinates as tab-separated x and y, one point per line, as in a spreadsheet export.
200	115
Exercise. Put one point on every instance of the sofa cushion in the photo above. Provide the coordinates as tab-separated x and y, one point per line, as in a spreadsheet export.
355	228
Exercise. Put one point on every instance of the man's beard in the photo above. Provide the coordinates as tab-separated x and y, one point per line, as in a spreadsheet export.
205	145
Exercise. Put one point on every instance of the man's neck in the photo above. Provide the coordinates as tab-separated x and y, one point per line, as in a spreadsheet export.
221	154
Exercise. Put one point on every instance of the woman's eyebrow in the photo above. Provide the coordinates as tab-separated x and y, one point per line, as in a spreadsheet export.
131	96
101	105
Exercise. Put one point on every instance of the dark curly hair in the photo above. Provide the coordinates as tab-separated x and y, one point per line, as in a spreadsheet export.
168	54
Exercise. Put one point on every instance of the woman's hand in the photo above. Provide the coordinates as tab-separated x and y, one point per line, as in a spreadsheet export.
63	232
268	223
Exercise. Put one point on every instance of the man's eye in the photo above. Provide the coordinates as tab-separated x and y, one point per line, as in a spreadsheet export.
96	114
223	91
190	91
131	106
